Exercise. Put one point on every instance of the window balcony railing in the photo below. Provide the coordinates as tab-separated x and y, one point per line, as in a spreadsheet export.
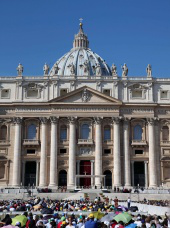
28	142
4	142
108	141
136	142
165	142
85	141
64	141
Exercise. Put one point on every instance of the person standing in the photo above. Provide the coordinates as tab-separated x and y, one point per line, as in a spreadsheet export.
128	202
116	201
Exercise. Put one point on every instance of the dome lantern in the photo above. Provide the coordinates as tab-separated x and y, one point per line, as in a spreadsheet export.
80	39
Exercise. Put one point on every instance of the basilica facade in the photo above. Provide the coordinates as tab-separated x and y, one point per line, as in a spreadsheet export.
82	125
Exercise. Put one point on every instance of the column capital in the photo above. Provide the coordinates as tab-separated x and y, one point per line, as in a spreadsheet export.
116	120
72	119
43	120
98	120
92	161
152	121
54	119
126	120
146	162
17	120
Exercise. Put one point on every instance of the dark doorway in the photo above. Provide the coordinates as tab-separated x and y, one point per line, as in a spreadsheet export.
85	169
108	178
139	174
30	173
62	179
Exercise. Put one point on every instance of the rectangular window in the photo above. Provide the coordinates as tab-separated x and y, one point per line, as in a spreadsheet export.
137	94
164	94
106	92
32	93
63	92
107	151
138	151
63	151
5	93
32	151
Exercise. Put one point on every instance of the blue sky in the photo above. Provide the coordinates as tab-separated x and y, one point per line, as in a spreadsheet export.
135	32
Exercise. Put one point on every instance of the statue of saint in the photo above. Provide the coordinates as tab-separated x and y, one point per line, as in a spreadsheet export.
149	70
56	68
86	67
124	70
72	69
46	69
98	70
20	69
114	69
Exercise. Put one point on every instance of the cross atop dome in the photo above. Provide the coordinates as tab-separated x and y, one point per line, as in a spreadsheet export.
80	39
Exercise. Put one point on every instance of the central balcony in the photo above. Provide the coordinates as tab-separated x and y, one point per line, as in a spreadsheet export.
85	141
31	142
139	142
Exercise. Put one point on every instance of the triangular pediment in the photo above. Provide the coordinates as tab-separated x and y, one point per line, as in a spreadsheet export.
86	95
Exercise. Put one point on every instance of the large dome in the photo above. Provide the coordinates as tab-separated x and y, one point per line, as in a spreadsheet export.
80	60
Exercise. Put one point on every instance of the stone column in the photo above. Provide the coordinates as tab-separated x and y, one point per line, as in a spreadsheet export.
127	176
132	167
43	158
117	157
72	153
92	172
37	172
146	174
98	151
17	153
23	173
53	155
152	154
78	172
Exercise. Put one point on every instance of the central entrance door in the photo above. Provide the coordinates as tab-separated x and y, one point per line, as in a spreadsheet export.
139	174
30	173
85	169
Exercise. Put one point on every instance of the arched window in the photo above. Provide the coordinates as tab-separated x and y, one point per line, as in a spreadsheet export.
85	131
107	133
62	179
31	132
137	132
3	132
108	178
63	132
165	133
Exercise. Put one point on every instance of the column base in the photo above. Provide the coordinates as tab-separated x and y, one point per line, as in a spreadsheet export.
128	186
71	187
53	186
152	186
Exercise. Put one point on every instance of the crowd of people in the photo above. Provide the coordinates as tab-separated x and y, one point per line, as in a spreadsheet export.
73	213
82	221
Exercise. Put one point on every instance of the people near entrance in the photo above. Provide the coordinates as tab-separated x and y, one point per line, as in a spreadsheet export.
116	202
128	202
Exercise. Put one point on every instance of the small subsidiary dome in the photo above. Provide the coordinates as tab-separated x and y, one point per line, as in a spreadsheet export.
80	60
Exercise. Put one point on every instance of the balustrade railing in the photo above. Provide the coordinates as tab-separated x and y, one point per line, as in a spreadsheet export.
85	141
31	142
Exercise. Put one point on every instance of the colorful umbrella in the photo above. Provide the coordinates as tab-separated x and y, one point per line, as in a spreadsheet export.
19	218
124	217
108	217
98	215
132	225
